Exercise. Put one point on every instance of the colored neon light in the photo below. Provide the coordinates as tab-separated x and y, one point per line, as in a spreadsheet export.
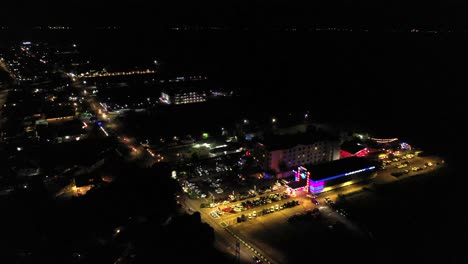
405	146
307	182
384	140
361	170
301	173
348	173
316	186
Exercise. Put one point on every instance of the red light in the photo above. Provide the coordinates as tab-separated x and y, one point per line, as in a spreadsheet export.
247	153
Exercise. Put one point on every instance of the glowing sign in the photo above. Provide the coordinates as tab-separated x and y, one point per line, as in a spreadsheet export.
361	170
348	173
405	146
384	140
315	187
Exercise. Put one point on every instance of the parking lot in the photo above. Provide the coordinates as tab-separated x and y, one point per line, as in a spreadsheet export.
259	212
220	179
399	168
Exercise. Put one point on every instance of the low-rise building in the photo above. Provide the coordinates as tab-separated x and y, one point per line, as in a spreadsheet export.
60	132
353	148
316	178
183	93
281	153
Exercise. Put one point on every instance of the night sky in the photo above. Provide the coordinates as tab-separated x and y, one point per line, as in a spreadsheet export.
238	13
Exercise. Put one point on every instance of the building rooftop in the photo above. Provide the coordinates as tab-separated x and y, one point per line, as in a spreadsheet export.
297	184
341	167
185	86
65	128
352	147
55	110
276	142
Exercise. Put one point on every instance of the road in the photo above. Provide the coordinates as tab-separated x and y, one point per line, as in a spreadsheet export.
111	127
3	98
331	215
230	219
3	91
224	242
4	67
107	74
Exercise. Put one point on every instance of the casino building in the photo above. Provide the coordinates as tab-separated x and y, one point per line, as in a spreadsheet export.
327	176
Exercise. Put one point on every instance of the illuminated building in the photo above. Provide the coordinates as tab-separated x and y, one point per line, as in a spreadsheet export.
327	176
350	149
187	90
58	112
281	153
66	131
183	96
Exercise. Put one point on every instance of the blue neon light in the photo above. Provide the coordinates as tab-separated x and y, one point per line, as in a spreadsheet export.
348	173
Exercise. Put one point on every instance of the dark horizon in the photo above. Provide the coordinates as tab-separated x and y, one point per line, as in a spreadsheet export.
260	14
